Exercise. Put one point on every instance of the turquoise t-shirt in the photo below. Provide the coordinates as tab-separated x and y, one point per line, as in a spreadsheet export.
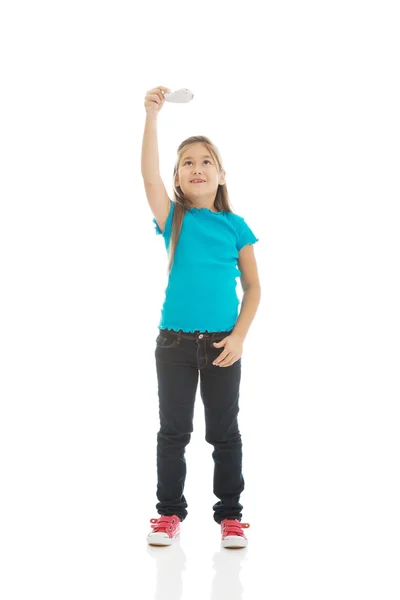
201	291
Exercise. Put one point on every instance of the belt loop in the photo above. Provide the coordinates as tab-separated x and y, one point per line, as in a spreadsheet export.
179	335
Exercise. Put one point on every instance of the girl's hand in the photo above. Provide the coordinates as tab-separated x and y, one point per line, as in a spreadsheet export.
233	348
154	100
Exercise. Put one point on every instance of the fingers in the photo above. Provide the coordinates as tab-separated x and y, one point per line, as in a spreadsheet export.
225	361
155	99
154	103
229	364
155	95
160	91
221	358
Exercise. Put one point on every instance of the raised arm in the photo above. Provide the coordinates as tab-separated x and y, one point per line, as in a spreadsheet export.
156	192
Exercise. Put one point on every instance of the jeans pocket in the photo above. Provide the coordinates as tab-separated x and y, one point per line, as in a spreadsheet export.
166	340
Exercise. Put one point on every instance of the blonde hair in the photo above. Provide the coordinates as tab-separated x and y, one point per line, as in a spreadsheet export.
182	204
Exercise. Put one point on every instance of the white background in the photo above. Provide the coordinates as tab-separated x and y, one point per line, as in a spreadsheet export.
302	101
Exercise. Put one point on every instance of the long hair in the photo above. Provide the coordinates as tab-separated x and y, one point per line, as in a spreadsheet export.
221	202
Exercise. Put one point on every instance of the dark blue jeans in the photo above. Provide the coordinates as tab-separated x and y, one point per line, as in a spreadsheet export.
180	357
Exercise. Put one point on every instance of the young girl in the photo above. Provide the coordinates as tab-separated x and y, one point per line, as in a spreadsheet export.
199	331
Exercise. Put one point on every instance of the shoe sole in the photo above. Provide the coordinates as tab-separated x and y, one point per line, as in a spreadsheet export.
155	539
234	542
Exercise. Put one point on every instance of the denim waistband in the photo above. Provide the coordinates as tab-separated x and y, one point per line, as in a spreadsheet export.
197	334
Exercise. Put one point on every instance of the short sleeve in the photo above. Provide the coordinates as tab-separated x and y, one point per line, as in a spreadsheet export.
245	234
167	229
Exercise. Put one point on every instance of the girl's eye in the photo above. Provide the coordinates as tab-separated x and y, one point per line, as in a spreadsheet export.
189	161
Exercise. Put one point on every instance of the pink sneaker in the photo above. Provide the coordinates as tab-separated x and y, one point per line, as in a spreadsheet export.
232	533
165	530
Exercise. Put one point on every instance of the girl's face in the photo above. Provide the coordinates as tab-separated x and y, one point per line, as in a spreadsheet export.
197	163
